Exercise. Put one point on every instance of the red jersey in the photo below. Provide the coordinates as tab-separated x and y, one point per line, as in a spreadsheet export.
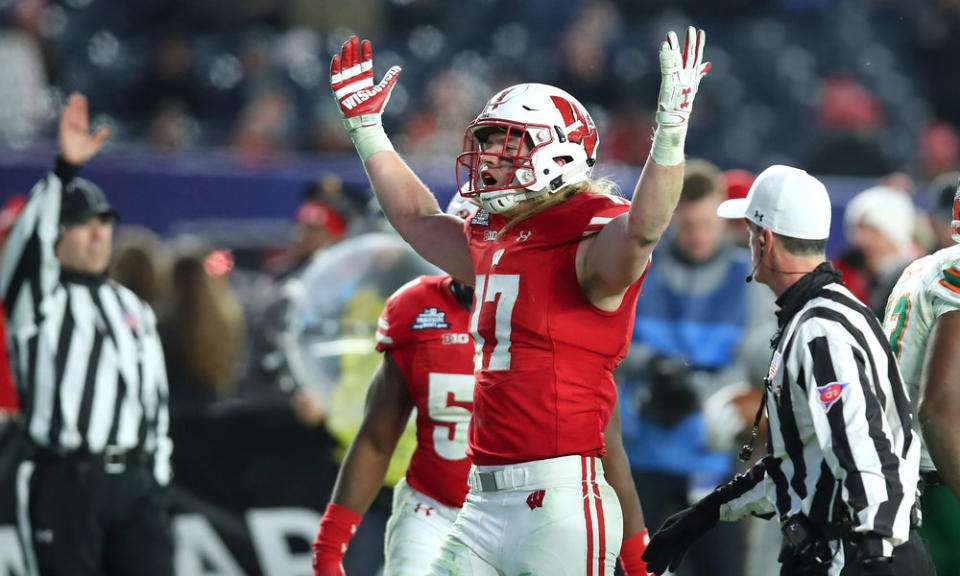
426	331
9	401
545	355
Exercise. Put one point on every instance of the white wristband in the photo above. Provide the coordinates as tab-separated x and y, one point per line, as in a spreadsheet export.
369	140
668	142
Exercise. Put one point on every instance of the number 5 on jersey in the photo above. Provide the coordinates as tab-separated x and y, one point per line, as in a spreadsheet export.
496	293
449	406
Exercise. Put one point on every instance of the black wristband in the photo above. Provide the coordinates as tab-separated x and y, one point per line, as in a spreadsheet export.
65	171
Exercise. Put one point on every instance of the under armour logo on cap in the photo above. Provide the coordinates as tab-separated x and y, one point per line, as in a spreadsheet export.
758	215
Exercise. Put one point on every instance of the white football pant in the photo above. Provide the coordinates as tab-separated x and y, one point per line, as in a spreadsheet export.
415	531
555	517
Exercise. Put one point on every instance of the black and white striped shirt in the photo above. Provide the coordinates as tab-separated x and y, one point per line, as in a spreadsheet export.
841	449
84	350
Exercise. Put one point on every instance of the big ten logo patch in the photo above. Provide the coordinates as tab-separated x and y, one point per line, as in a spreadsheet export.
455	338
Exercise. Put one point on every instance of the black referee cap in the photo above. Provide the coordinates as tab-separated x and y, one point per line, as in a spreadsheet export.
82	200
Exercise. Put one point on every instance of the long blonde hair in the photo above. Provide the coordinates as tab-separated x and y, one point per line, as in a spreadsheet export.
208	323
142	263
547	201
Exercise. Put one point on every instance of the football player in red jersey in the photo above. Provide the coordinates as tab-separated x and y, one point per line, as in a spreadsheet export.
427	364
557	267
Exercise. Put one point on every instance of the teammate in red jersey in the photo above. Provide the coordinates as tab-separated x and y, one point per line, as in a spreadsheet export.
9	399
557	269
427	364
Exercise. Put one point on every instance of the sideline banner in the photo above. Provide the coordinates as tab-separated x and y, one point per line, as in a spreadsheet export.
250	487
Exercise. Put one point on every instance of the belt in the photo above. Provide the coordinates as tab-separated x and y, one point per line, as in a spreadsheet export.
114	459
536	473
489	482
842	530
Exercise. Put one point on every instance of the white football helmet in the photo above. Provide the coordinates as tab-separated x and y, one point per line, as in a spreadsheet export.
560	136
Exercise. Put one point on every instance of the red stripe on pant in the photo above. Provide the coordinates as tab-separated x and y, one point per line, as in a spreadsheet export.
586	517
598	503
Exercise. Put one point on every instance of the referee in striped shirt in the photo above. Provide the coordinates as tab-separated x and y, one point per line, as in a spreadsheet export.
843	463
89	367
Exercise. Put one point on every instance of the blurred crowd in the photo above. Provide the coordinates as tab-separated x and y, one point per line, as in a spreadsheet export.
230	313
863	88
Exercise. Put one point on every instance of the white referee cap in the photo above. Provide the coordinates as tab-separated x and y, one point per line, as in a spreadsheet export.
786	200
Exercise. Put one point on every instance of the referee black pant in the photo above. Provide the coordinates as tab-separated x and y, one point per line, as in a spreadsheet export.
78	516
909	559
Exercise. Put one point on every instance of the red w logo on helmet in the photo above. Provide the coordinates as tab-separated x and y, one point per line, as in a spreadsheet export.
500	100
586	133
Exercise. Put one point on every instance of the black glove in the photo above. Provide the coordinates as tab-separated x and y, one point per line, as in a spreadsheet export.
870	557
678	532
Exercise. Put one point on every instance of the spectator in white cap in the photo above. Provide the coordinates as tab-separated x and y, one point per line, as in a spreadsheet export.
880	222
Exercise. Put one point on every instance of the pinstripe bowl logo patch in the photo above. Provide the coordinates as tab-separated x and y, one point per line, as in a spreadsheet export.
830	393
430	318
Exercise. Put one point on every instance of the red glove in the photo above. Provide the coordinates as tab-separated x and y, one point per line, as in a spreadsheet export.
337	527
631	554
351	79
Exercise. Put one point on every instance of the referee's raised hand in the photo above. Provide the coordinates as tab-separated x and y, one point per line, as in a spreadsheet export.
77	144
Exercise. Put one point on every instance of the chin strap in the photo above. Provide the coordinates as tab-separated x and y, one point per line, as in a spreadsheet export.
516	197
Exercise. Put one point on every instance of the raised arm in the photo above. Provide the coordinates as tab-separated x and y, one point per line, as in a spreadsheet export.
409	206
610	262
29	258
364	467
